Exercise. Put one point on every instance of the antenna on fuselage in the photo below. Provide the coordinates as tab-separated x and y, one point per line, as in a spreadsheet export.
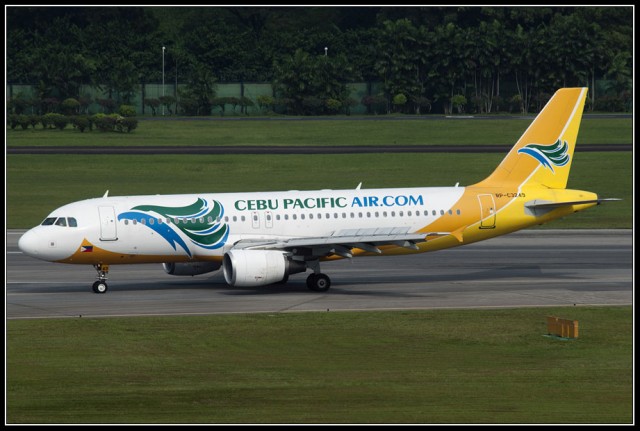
106	194
359	185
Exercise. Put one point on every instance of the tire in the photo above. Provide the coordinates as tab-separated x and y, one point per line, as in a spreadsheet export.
100	287
318	282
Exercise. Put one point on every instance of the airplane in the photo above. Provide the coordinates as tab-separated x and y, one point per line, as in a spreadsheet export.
262	238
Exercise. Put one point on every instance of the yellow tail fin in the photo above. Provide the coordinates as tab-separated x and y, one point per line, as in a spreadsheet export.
544	153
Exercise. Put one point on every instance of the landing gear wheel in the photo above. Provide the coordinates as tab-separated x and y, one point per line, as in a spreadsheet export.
318	282
100	286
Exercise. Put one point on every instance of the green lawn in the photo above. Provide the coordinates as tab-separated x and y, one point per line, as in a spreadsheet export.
297	131
446	366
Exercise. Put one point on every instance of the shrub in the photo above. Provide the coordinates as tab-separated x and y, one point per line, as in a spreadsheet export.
58	121
153	104
265	102
70	106
104	123
167	101
126	124
24	122
399	100
13	120
108	105
17	105
81	122
459	101
34	120
245	103
333	105
127	111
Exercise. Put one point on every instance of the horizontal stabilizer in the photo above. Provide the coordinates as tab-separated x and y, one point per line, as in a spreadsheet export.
551	205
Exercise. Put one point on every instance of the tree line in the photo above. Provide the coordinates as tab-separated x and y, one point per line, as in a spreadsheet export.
416	59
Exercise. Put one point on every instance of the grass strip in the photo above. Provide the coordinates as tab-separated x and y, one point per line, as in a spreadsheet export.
433	366
327	132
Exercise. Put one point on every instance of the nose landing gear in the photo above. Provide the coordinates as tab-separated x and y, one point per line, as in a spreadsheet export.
100	286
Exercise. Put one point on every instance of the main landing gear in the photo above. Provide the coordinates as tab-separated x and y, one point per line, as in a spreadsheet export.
100	286
317	281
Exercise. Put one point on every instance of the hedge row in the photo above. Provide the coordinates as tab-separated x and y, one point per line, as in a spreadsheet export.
101	122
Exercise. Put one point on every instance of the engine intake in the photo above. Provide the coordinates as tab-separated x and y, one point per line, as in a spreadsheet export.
258	267
190	268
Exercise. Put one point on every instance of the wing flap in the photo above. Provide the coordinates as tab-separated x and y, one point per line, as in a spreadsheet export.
338	243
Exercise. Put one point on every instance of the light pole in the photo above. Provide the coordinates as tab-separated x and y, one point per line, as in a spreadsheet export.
325	51
163	79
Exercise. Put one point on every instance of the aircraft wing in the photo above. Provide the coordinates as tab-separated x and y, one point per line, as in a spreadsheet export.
340	242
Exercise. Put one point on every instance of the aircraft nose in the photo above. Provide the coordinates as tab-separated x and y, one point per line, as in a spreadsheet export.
29	244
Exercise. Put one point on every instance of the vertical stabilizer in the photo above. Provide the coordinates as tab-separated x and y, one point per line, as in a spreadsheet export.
544	153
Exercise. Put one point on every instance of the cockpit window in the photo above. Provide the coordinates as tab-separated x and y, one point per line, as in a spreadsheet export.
60	221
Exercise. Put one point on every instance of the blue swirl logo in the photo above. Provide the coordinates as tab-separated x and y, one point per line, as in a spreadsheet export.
200	222
555	154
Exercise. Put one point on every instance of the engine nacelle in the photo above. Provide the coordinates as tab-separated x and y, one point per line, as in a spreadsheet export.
258	267
190	268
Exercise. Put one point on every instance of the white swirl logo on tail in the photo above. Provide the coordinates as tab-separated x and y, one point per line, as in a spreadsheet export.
548	155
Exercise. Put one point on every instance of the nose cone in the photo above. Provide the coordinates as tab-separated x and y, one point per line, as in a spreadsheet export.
29	243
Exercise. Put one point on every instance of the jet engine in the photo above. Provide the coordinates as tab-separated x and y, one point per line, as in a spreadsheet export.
190	268
259	267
